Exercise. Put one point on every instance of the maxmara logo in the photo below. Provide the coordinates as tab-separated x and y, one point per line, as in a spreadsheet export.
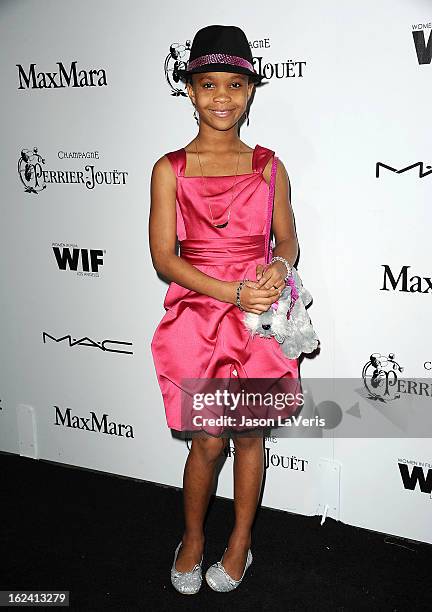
92	423
178	55
64	76
402	281
35	176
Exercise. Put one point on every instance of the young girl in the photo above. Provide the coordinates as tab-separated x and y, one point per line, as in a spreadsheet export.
213	195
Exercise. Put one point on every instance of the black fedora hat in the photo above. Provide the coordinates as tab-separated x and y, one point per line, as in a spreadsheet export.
220	48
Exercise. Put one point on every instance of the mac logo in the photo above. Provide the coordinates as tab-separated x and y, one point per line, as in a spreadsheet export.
423	170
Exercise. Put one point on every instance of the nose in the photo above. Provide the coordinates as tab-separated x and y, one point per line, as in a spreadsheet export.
221	94
266	326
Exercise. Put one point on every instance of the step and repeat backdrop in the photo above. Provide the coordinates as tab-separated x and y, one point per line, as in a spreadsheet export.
90	100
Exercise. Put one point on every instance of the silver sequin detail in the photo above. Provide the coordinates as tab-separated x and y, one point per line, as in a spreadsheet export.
218	578
219	58
187	583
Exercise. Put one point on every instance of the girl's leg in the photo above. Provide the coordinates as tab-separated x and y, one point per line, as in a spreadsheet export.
197	487
248	475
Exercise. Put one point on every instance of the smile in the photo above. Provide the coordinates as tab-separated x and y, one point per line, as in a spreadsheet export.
224	113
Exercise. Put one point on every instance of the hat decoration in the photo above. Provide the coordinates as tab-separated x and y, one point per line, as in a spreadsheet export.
220	48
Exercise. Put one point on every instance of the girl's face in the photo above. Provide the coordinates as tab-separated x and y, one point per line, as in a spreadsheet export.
220	97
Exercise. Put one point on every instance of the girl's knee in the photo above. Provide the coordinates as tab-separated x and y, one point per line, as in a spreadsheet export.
245	443
209	448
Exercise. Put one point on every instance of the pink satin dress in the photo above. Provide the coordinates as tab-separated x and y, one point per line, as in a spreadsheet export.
199	336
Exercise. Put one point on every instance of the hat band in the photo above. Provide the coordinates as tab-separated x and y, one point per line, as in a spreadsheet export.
219	58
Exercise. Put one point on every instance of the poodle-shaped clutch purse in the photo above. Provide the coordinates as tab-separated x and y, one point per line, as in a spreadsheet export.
287	320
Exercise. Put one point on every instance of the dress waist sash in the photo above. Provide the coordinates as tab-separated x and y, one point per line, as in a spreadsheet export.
221	251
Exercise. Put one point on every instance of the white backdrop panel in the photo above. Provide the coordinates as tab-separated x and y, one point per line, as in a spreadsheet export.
359	97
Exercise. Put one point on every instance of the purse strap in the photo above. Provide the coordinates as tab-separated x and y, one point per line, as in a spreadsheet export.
268	249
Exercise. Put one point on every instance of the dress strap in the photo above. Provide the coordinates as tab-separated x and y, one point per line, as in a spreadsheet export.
177	160
261	157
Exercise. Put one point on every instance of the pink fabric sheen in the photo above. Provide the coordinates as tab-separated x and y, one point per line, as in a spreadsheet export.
199	336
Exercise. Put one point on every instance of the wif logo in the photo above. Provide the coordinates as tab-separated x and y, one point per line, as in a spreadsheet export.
423	49
417	476
86	262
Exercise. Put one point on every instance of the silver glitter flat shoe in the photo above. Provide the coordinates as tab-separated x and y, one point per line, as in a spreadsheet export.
187	583
218	578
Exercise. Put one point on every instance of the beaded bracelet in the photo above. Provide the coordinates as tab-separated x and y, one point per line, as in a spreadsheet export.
286	262
240	285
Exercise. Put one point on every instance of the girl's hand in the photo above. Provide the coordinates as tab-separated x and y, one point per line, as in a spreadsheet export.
255	299
271	275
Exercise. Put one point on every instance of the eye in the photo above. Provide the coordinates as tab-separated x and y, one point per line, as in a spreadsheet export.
210	83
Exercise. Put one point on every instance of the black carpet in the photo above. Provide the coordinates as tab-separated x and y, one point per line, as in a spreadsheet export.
110	541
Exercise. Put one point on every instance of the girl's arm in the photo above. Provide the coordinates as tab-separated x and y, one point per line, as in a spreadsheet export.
162	238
